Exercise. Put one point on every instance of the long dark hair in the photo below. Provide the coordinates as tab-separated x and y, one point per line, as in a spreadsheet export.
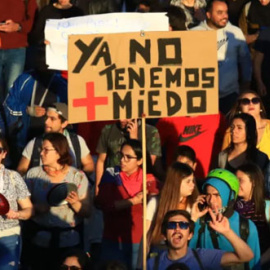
251	135
257	179
236	108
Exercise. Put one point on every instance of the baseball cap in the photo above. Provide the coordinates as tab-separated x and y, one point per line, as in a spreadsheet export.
60	108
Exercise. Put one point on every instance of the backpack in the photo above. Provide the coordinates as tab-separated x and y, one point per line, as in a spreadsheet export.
35	158
243	229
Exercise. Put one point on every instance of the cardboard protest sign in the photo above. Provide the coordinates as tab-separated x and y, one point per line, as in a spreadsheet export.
119	76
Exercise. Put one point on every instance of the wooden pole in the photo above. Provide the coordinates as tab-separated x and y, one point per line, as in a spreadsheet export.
144	193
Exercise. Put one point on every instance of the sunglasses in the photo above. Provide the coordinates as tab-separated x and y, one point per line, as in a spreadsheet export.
2	150
172	225
66	267
246	101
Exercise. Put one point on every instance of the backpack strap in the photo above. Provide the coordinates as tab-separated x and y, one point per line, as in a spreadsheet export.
77	149
267	211
244	228
195	253
156	262
201	230
244	233
213	234
35	158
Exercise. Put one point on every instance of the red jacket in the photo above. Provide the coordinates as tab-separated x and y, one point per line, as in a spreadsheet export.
16	10
125	225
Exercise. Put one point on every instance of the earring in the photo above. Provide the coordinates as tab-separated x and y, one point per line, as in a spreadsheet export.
260	110
239	112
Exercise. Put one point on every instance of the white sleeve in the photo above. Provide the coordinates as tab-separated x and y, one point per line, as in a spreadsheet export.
28	150
151	208
84	148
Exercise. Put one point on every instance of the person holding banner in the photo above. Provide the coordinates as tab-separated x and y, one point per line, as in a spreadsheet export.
120	198
59	10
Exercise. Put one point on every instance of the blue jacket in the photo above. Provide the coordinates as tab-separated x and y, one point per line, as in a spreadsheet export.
19	97
205	240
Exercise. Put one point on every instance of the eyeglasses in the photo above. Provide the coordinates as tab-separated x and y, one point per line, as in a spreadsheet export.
46	150
172	225
2	150
247	101
66	267
127	158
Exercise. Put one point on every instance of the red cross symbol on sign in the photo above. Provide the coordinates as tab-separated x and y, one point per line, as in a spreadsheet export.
90	102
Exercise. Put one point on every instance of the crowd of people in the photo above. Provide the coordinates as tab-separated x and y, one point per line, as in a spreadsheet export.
71	196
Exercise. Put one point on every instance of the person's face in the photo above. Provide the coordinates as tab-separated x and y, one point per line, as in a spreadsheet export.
186	160
187	186
264	2
218	15
64	2
129	162
213	198
72	261
251	108
246	185
178	238
124	122
238	131
48	154
53	122
3	153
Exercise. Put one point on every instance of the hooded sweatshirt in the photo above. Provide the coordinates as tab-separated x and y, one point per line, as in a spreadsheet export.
226	195
232	50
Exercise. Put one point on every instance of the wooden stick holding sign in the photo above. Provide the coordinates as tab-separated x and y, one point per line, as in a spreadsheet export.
144	192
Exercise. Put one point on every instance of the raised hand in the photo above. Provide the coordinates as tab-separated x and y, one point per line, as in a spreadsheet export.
196	213
219	222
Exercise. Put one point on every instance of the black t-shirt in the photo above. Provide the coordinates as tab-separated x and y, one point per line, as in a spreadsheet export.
258	17
37	36
234	10
263	45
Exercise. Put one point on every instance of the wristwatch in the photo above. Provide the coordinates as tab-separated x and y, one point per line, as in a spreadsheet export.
20	28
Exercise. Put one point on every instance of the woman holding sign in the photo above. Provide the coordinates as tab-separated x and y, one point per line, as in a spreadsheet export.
61	9
15	205
120	197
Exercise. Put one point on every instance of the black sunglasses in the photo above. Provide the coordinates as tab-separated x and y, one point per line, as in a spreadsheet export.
2	150
66	267
247	101
172	225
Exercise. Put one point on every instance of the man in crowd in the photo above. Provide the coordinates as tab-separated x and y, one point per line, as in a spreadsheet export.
57	121
221	188
178	228
232	51
16	20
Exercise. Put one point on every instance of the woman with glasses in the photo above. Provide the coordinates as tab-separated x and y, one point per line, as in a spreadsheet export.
242	148
120	198
251	103
59	209
15	205
179	192
251	204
